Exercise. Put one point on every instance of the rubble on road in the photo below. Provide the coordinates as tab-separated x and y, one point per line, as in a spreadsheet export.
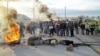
6	52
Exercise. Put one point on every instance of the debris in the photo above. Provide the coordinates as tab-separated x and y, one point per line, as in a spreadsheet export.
70	47
34	41
6	52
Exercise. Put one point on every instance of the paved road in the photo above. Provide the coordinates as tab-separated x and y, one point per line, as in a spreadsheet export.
94	41
58	50
45	50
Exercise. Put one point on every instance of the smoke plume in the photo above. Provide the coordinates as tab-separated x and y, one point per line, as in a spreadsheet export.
42	12
7	18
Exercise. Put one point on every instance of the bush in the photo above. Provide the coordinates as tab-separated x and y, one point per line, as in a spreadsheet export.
97	29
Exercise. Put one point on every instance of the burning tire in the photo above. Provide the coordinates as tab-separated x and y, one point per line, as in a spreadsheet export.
14	43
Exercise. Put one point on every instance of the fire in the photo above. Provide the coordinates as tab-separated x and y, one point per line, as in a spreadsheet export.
13	35
9	28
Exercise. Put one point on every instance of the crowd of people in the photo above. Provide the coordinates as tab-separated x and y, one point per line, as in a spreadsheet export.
59	28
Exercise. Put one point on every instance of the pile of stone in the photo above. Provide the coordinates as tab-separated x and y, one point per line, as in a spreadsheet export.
6	52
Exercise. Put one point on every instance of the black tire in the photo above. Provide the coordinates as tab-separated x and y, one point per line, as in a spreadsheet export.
34	41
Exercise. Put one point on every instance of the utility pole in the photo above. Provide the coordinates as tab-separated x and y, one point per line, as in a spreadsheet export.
65	12
7	6
33	13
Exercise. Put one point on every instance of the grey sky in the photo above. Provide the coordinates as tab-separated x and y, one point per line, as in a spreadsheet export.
73	7
73	4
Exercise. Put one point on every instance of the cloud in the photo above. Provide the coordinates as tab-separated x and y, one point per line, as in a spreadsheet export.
73	4
61	12
70	4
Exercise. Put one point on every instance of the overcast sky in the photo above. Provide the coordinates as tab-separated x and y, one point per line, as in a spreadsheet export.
73	4
73	7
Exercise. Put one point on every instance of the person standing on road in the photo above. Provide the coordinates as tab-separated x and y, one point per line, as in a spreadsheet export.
57	28
67	28
32	28
51	28
28	28
63	28
76	27
71	26
87	29
92	27
82	26
22	27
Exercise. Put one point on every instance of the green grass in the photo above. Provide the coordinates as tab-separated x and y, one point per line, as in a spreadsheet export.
97	29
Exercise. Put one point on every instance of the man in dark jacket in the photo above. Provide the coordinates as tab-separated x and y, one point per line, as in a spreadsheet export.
76	28
32	28
92	27
63	28
57	28
71	27
82	26
67	28
51	28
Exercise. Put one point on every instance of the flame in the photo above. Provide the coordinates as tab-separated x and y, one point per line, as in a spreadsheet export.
13	35
9	28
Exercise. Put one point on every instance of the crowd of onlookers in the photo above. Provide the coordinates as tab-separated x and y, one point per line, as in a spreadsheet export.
59	28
